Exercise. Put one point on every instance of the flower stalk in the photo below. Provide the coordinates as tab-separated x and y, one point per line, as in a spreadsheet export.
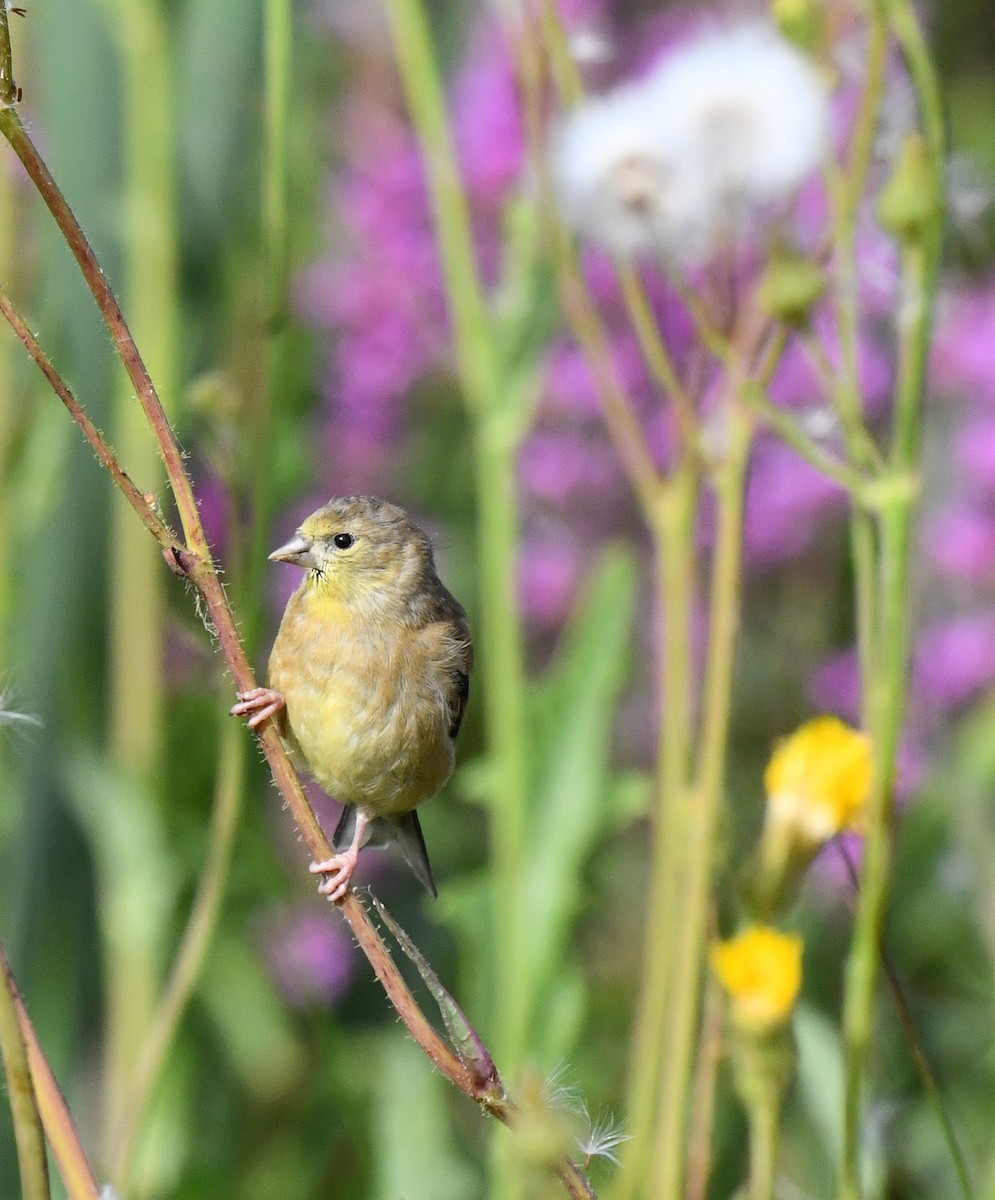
500	637
888	621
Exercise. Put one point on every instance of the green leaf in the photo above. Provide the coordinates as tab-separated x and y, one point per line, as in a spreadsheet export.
413	1148
575	717
820	1080
258	1034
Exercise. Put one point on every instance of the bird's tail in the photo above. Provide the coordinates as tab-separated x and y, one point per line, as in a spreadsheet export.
403	829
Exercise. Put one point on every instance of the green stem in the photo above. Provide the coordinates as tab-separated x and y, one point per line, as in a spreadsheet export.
674	524
788	429
764	1135
863	548
500	638
847	200
889	666
8	88
657	357
10	237
28	1134
702	1124
275	287
704	806
136	599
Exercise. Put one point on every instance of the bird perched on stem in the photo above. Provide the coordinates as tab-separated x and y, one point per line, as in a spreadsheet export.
369	677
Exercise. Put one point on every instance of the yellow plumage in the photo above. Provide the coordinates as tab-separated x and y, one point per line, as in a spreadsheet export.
369	675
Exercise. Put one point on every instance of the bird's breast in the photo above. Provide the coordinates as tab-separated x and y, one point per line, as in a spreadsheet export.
367	707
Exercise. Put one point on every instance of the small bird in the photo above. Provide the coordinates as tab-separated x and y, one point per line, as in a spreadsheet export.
369	677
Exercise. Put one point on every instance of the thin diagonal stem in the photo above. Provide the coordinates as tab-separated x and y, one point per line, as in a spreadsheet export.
22	145
138	501
193	562
74	1167
29	1136
620	416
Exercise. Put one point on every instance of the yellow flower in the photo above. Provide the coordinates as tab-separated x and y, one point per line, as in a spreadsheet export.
761	969
818	780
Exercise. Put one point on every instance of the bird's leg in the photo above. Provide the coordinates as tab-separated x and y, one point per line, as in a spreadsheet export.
261	703
341	866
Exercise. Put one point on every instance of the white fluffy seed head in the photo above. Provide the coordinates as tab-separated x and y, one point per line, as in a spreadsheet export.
746	108
617	182
719	129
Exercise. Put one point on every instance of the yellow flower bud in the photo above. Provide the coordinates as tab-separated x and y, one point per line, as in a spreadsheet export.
819	779
761	970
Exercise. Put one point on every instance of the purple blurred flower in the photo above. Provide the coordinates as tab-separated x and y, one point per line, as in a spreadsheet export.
963	360
960	542
975	452
557	467
310	956
836	686
796	384
787	500
955	660
214	502
550	570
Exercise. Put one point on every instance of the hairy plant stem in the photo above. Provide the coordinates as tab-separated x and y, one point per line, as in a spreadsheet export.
192	562
703	803
29	1136
889	653
13	130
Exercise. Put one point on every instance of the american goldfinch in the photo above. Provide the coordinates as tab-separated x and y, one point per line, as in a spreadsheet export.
369	677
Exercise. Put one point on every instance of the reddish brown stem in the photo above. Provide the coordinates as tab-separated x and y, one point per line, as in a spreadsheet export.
146	513
192	560
48	189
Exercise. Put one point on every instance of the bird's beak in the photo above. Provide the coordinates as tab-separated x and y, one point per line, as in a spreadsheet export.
297	550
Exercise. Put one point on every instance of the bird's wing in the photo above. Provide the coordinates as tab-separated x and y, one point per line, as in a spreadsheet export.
457	703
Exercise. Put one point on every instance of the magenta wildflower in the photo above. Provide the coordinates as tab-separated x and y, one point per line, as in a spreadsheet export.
310	956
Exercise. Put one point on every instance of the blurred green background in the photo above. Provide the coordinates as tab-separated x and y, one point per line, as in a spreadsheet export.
290	1079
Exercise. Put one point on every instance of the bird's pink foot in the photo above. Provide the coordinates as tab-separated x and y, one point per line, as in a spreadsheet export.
339	870
258	705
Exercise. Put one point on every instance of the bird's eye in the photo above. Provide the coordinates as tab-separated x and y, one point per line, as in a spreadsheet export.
343	541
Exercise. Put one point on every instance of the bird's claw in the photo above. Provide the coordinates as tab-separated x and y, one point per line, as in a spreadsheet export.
258	704
340	869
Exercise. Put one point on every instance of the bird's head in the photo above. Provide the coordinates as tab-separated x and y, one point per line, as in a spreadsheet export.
360	549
